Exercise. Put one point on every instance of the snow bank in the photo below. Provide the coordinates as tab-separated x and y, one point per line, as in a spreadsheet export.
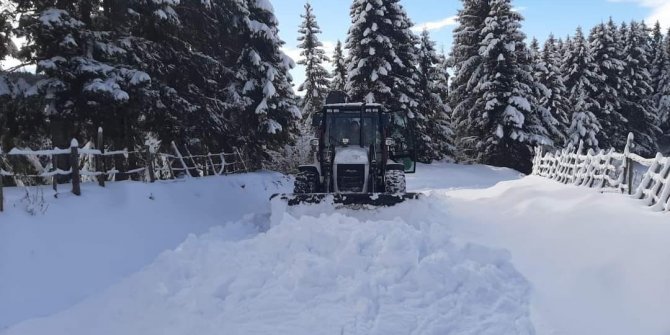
598	263
82	245
334	273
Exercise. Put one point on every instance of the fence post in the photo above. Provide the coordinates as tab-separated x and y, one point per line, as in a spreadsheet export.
54	178
74	164
100	162
239	156
2	198
211	163
187	173
628	171
150	164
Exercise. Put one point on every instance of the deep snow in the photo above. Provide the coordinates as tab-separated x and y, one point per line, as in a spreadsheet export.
81	246
524	256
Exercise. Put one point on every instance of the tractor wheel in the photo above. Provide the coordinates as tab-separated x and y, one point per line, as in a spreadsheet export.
394	181
305	182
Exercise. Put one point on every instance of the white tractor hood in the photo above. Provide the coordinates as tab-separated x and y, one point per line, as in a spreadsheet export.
351	155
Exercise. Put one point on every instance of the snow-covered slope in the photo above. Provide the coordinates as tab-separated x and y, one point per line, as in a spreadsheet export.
483	253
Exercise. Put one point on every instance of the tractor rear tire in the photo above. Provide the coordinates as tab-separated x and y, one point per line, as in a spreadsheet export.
394	182
305	182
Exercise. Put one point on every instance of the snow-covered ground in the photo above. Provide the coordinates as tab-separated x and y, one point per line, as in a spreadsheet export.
486	251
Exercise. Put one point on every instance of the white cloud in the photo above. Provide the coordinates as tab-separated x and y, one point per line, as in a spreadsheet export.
661	14
660	10
435	25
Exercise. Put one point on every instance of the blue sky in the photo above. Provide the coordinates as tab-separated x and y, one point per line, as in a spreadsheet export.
542	17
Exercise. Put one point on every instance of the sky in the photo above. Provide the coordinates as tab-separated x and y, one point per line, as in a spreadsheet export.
542	17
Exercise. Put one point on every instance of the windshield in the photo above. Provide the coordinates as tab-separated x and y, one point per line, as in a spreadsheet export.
348	126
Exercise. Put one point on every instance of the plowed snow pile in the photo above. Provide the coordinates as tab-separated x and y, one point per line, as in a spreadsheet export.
331	274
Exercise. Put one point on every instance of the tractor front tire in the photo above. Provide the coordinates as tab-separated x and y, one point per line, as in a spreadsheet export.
305	182
394	182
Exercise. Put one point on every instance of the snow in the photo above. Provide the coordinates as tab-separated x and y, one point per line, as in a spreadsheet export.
53	17
485	251
139	77
351	155
53	261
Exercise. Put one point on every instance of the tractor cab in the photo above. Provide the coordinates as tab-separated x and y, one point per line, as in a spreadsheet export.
385	135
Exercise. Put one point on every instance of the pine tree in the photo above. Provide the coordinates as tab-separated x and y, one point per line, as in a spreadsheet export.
657	56
637	104
313	56
339	81
432	120
509	122
86	81
466	62
557	102
268	118
441	83
382	60
607	66
585	126
579	80
543	94
7	46
443	77
660	74
662	88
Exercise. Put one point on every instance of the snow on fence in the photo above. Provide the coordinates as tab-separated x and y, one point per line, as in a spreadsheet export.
609	171
102	166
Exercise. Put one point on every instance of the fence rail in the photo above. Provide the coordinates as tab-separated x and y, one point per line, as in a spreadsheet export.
90	164
610	171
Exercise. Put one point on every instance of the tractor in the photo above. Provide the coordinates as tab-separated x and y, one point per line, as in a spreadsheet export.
360	156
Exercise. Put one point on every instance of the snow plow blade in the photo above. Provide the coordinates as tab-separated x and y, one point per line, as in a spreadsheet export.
347	199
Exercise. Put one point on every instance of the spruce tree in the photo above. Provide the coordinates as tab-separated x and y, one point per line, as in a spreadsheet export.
543	94
382	60
86	81
607	66
557	101
579	78
339	81
662	88
584	126
466	62
660	74
312	57
508	122
637	103
443	77
269	115
432	120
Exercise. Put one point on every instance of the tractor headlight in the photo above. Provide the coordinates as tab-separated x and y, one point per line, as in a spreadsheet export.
345	141
389	142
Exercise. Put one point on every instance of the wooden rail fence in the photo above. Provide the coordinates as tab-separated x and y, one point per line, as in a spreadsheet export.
610	171
90	164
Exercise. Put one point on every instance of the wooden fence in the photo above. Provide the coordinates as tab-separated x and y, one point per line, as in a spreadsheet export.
610	171
90	164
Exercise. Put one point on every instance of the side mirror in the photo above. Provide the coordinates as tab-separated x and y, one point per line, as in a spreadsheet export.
314	142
